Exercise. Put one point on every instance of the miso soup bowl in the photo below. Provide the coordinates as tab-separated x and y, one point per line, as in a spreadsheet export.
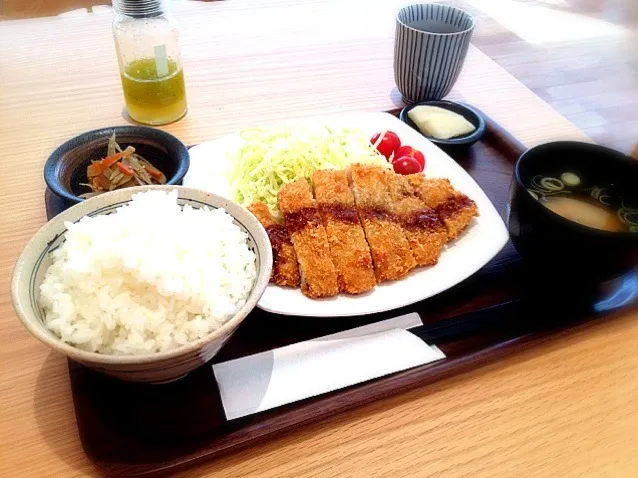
556	249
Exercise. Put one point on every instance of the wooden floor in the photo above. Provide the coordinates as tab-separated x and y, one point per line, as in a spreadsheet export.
581	56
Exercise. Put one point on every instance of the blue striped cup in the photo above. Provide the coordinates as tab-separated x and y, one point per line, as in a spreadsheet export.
431	44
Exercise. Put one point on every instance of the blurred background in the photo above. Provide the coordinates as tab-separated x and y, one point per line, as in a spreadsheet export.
580	56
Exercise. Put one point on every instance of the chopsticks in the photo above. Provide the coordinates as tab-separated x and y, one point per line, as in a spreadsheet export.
522	316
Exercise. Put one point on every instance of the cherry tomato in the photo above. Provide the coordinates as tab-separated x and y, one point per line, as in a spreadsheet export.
406	165
410	151
388	144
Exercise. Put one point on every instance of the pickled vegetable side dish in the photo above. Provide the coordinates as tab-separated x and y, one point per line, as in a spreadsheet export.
121	168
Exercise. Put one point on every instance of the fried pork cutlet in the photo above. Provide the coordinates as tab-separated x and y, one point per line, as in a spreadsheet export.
303	222
348	246
285	270
423	228
390	249
455	209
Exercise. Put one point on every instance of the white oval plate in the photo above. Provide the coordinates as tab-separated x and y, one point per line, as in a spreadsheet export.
482	240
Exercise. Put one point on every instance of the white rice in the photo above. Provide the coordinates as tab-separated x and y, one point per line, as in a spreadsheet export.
148	278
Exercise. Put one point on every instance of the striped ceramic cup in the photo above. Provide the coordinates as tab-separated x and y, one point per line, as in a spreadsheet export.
431	43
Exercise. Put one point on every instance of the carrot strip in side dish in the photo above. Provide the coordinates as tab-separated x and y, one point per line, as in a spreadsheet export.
99	167
350	251
301	217
124	169
155	173
100	182
111	160
285	270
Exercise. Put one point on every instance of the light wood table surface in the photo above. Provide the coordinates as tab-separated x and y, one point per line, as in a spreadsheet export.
567	408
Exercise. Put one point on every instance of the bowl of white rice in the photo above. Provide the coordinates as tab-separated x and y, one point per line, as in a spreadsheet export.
145	283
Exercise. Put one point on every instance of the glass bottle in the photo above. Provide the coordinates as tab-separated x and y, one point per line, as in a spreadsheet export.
146	41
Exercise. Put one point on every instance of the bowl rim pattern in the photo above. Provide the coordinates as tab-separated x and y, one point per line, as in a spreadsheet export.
25	307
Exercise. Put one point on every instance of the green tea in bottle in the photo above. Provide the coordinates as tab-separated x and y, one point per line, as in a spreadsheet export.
146	40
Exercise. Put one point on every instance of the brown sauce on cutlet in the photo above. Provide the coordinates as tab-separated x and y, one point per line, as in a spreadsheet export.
278	235
340	212
298	220
453	205
379	214
426	220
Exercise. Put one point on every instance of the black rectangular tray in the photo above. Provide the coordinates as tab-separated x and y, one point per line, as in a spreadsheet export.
137	429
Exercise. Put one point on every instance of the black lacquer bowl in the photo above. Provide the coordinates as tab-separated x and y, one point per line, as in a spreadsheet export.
557	250
65	169
458	142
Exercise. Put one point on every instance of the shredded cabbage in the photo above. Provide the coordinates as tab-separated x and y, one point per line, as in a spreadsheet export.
270	158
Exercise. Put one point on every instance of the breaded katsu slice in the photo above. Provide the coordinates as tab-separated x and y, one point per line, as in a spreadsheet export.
285	270
303	222
389	247
423	229
455	209
348	246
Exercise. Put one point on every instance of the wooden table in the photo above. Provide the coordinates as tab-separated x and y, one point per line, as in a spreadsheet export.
567	408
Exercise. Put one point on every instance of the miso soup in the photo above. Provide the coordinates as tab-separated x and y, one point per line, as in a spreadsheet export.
586	212
599	206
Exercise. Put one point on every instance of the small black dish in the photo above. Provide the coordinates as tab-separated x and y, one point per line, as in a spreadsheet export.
469	113
66	167
558	250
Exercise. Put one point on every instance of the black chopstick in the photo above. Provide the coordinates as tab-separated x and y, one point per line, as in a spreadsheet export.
521	315
472	323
